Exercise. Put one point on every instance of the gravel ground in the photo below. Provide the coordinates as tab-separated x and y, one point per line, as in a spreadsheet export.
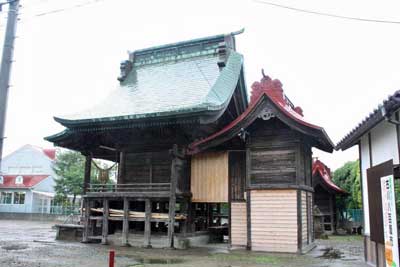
32	244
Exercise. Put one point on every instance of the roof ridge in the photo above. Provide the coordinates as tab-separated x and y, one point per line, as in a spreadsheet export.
185	42
169	46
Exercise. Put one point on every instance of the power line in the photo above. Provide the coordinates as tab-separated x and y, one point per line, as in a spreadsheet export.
67	8
58	10
326	14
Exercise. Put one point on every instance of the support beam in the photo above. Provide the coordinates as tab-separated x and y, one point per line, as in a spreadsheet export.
86	179
147	224
172	206
86	222
176	168
299	223
125	224
186	210
106	213
248	196
332	212
121	167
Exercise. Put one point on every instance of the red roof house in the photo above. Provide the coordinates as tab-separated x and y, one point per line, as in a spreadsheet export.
325	191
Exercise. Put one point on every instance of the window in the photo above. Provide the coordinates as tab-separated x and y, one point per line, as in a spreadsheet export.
19	197
5	197
1	180
19	180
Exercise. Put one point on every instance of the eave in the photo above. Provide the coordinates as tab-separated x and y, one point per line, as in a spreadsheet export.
265	100
390	105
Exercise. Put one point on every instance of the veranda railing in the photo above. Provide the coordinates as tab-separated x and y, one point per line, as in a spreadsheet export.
134	187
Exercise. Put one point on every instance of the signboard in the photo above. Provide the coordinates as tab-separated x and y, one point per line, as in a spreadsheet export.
389	222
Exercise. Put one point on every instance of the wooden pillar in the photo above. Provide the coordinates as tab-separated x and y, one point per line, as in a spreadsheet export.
176	167
125	223
210	214
86	179
248	197
147	224
106	212
86	218
121	167
331	196
186	210
172	203
299	222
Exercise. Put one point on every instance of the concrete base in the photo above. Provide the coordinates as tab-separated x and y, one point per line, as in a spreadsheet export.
161	240
35	217
71	232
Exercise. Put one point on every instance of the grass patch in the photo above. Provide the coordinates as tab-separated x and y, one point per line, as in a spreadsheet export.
250	258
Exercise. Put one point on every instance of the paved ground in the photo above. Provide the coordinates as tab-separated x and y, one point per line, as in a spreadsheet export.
27	243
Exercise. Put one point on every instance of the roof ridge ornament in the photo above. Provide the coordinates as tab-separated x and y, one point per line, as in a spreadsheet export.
125	67
223	53
271	87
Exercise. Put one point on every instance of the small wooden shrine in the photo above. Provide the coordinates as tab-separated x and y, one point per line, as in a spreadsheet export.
194	157
325	192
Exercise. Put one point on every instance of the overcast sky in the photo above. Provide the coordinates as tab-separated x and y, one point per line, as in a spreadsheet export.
337	70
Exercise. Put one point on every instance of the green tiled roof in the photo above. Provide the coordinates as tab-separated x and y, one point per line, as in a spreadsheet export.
165	81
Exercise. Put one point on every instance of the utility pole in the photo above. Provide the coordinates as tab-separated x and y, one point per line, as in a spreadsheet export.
5	67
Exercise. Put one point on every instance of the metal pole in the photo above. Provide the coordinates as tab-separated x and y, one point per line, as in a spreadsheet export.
5	67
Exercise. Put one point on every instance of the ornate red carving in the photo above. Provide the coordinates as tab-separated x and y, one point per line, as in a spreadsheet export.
272	88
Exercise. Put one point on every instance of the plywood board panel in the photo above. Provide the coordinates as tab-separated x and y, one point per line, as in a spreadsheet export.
209	177
274	220
238	224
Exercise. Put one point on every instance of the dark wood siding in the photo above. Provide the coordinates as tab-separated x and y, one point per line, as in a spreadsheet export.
151	167
273	166
237	174
276	155
308	164
322	200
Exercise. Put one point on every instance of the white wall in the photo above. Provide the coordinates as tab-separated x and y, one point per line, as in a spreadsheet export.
384	143
27	160
47	185
384	147
41	204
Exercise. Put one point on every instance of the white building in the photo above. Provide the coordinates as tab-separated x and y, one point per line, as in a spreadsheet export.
27	180
378	139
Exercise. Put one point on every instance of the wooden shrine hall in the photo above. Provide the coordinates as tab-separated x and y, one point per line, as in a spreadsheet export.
325	192
194	156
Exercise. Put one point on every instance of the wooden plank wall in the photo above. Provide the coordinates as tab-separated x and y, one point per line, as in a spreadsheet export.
137	168
321	199
304	220
150	167
275	153
274	220
237	174
238	224
209	177
273	166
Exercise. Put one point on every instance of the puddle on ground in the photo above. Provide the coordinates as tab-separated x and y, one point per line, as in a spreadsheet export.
141	262
15	247
331	253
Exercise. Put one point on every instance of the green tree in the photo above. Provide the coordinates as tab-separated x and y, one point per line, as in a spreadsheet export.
348	178
69	168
